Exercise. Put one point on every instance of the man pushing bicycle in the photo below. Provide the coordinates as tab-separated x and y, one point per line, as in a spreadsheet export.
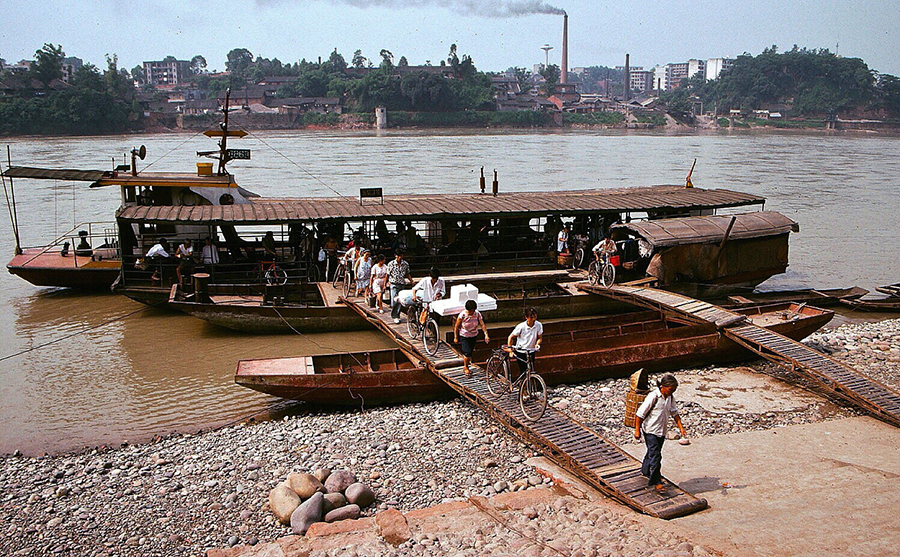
528	335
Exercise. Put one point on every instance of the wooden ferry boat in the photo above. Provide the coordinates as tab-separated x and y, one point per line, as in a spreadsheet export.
572	351
881	305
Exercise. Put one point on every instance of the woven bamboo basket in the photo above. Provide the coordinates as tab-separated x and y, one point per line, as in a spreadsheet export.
633	401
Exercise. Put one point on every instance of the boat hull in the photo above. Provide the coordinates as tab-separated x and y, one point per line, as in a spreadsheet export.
45	268
573	361
266	319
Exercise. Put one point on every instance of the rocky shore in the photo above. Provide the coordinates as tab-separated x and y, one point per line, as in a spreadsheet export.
185	494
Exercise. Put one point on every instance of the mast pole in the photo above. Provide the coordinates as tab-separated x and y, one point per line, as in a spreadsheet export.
223	143
13	217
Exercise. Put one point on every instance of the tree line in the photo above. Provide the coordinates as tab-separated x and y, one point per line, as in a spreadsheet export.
807	82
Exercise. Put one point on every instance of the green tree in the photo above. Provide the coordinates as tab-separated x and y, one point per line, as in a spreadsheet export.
387	60
48	63
198	64
238	61
137	73
337	63
403	62
359	61
551	78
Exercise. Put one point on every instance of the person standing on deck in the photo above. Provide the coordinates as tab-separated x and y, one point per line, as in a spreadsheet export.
528	336
562	240
398	276
465	332
653	418
379	281
362	270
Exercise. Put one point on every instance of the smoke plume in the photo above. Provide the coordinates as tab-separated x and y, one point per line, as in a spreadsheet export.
484	8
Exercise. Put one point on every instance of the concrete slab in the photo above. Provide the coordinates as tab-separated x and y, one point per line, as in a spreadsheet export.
829	488
742	390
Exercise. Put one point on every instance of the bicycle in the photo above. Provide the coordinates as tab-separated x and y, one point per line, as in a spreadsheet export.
428	329
272	273
532	388
343	276
602	271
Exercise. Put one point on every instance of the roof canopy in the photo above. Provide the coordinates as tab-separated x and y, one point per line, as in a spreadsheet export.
710	230
268	210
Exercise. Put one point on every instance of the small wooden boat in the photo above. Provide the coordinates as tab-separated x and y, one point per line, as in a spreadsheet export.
892	290
573	350
882	305
815	297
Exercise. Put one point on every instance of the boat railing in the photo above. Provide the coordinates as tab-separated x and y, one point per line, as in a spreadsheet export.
99	235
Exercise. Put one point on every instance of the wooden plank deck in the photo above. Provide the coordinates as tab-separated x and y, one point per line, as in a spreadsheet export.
568	442
855	387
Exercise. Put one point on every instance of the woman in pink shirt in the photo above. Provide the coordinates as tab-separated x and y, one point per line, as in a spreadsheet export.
465	332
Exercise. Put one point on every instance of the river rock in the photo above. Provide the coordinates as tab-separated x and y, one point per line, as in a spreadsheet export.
283	502
392	526
347	512
334	501
360	494
307	514
305	485
322	474
338	481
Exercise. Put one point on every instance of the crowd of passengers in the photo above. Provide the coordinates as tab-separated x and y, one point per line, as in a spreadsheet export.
324	246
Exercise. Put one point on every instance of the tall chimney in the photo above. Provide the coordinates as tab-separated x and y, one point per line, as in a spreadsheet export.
627	76
564	62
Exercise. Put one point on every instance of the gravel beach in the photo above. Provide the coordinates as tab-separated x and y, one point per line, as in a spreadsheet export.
184	494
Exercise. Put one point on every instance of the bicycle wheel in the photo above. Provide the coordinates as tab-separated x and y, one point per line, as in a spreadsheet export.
412	322
533	397
346	284
608	276
276	275
312	273
578	260
431	337
496	374
593	273
338	276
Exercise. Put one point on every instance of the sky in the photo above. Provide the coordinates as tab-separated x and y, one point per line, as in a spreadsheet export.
494	32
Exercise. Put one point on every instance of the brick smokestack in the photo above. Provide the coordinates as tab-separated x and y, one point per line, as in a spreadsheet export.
627	77
564	62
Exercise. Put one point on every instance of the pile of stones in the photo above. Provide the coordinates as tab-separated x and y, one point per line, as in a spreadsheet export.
304	499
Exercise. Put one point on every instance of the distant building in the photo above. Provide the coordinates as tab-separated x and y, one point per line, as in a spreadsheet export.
20	66
641	80
659	78
696	67
70	65
167	72
303	105
715	66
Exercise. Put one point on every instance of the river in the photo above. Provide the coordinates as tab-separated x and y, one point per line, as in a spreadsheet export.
153	372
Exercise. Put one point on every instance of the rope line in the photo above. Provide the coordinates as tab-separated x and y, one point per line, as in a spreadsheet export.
76	333
170	151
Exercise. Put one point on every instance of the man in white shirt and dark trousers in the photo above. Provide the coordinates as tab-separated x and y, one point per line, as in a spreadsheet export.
653	418
528	335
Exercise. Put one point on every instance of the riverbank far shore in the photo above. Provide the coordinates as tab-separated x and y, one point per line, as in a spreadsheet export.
186	494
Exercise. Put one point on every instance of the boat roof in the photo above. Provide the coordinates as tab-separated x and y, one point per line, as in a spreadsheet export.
461	205
100	178
711	229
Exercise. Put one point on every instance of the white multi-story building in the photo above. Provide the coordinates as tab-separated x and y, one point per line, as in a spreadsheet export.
167	72
659	78
695	67
714	67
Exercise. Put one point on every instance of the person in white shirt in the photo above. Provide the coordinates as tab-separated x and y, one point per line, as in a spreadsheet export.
528	335
653	419
185	254
209	255
562	240
429	289
605	247
158	254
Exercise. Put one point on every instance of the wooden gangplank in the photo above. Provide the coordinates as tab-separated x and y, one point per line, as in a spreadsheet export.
566	441
849	384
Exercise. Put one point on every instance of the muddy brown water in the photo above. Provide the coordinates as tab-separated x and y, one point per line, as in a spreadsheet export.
112	379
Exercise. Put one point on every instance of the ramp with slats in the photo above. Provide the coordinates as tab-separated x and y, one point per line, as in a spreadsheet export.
566	441
855	387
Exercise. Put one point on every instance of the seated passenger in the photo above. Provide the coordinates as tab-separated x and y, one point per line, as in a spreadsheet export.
83	249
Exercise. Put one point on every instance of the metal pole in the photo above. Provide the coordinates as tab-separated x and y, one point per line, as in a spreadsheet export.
14	217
